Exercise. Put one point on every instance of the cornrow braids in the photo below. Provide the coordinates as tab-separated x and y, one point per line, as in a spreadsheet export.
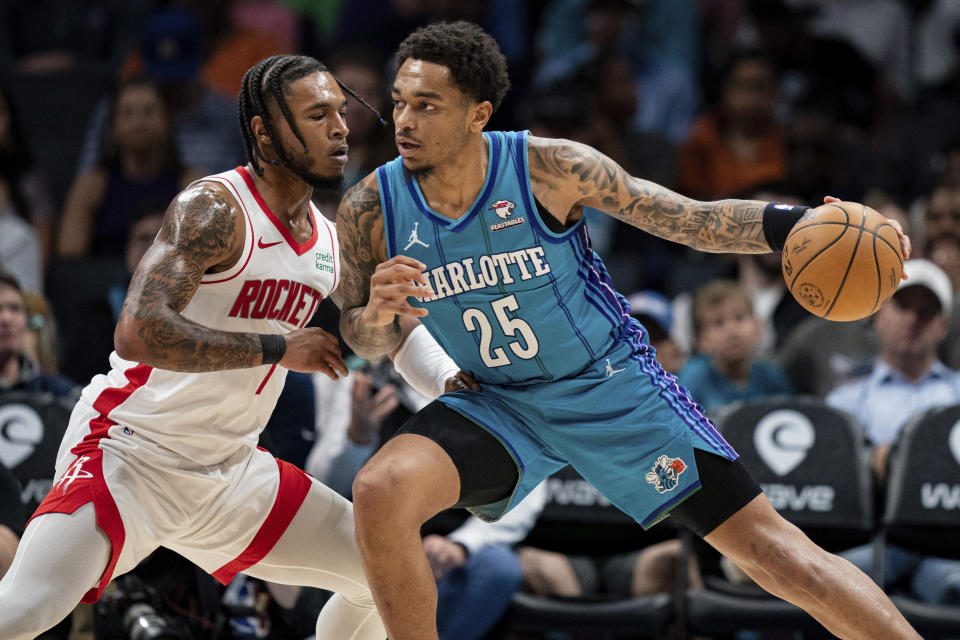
270	78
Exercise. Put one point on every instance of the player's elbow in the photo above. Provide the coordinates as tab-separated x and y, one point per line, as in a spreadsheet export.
127	341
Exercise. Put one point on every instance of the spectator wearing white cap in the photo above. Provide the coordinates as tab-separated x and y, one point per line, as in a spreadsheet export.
906	380
907	377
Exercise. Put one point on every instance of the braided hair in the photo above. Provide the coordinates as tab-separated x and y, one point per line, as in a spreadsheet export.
270	78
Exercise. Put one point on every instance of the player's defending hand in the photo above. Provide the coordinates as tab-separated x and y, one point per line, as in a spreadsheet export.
312	349
391	284
459	382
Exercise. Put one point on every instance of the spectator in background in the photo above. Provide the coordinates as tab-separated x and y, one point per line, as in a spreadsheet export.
906	380
725	368
737	144
821	157
942	214
28	195
371	140
202	119
40	342
140	163
56	36
576	33
614	99
240	35
139	238
17	371
12	518
20	251
941	235
30	459
945	253
819	354
655	312
880	31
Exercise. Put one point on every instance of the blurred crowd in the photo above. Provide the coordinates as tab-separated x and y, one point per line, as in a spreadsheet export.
109	107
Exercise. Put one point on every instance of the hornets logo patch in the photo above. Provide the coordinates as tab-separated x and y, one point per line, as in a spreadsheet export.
666	473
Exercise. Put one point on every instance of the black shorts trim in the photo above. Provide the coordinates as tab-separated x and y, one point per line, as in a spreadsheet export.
726	487
488	473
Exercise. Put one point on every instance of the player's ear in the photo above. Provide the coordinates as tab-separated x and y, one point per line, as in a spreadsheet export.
259	130
480	115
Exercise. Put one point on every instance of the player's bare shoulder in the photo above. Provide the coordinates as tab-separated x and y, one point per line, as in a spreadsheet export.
206	221
362	242
564	173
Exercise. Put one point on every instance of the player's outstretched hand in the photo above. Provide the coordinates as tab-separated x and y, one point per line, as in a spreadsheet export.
904	238
390	285
312	349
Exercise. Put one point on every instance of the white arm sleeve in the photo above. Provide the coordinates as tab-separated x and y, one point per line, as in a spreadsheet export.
423	363
508	530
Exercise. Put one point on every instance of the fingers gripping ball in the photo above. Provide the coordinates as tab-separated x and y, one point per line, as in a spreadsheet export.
842	261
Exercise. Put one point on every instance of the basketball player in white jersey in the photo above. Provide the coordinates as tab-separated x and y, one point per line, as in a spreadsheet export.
162	451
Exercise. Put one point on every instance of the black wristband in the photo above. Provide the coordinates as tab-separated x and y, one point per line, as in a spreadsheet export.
778	220
273	347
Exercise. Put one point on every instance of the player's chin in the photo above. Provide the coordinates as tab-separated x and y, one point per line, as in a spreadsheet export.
330	180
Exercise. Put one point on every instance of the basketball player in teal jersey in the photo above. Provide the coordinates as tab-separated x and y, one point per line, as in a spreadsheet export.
481	237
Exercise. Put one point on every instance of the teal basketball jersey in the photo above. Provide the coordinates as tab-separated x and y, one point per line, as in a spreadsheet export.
514	303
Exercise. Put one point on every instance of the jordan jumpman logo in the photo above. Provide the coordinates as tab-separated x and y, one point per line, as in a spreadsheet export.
414	238
610	370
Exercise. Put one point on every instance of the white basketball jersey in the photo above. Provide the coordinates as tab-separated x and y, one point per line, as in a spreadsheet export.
274	287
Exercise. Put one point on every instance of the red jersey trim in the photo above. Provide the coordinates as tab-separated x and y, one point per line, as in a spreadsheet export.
95	490
246	214
71	491
112	397
294	485
299	247
273	368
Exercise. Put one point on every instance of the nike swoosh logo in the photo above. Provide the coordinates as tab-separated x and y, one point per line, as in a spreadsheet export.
266	245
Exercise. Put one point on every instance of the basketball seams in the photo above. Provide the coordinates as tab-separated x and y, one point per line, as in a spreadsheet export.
864	276
876	264
895	248
822	249
853	256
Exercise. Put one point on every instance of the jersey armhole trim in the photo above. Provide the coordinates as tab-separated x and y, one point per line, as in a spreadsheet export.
523	169
248	241
386	209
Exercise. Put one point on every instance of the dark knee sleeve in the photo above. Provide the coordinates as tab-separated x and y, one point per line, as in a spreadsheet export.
487	470
726	487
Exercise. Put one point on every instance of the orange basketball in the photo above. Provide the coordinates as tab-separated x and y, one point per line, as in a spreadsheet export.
842	261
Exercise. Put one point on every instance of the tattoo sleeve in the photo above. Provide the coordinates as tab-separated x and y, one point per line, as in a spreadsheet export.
203	229
362	248
567	175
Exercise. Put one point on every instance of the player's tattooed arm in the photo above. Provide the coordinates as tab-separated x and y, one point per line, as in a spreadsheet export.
567	176
203	231
370	332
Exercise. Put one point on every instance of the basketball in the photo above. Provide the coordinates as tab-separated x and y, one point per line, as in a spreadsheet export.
842	261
